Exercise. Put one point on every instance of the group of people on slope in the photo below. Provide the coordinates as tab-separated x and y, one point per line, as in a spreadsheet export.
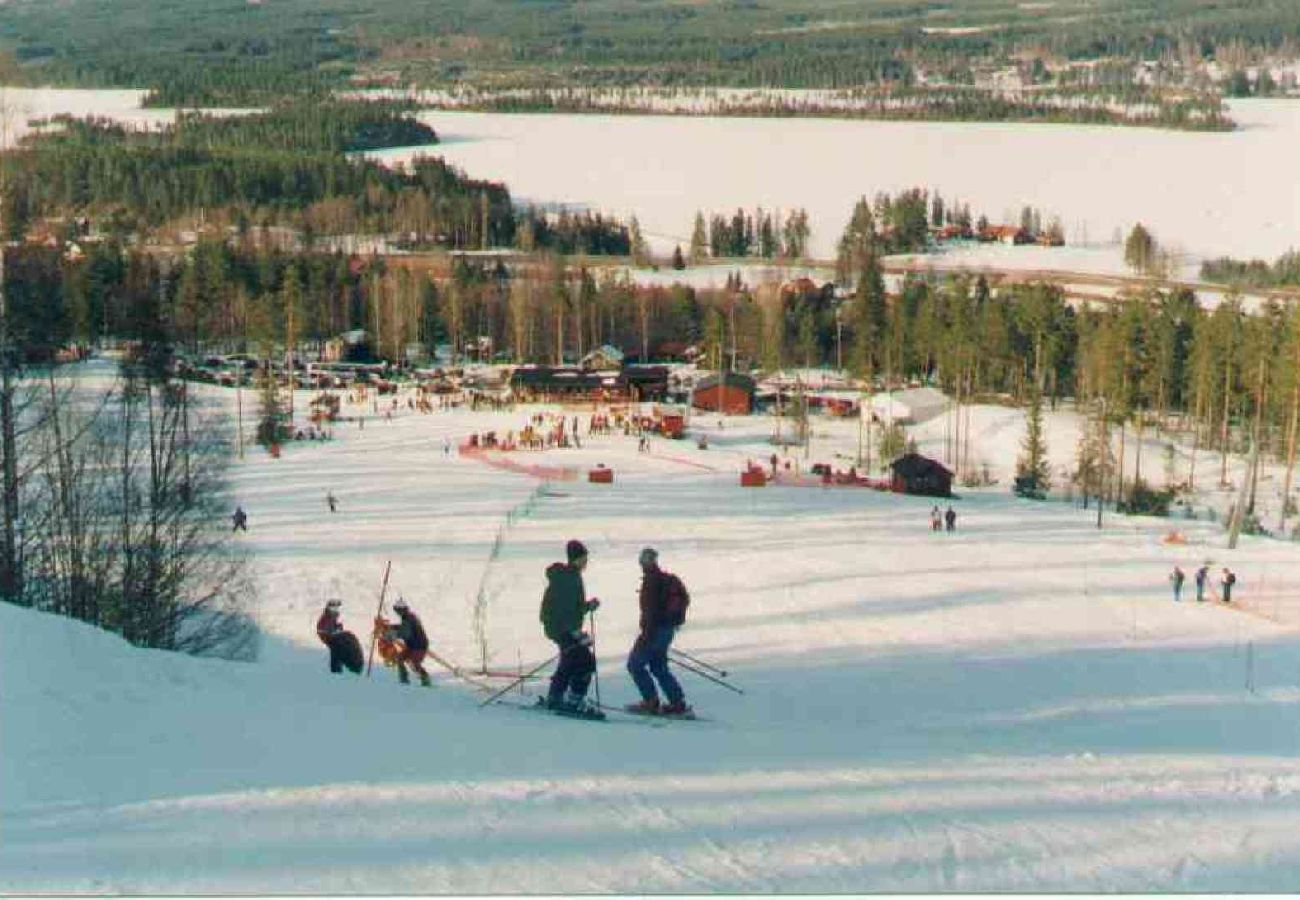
938	521
1227	579
663	600
403	642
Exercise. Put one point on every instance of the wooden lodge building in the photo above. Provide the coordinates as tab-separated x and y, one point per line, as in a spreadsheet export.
725	392
917	474
574	383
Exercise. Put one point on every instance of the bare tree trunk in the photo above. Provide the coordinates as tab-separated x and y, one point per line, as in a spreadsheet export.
1223	434
1290	452
1259	418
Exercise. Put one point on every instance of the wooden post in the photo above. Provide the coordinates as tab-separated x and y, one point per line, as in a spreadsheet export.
374	635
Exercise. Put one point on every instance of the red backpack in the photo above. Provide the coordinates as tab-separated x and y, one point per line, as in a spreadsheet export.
676	599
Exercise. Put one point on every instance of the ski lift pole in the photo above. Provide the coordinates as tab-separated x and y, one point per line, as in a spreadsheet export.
703	674
699	662
520	680
374	635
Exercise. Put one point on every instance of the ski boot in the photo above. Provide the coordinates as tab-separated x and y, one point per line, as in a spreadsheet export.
644	708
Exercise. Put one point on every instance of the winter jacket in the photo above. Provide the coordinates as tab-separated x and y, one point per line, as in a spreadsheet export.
327	626
411	632
565	602
653	600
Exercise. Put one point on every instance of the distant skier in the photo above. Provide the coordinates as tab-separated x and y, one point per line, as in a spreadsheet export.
345	649
240	518
414	643
936	520
1228	580
1176	578
1202	576
663	610
950	518
564	605
332	501
446	446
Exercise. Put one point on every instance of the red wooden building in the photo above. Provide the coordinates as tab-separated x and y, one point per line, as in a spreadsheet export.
725	392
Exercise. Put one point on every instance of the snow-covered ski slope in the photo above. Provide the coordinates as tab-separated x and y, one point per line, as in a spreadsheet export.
1017	706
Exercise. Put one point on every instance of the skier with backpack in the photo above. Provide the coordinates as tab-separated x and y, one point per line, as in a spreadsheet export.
345	649
411	643
564	605
664	600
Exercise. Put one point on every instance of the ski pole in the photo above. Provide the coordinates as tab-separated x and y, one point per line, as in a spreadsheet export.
520	680
699	662
374	635
595	672
700	672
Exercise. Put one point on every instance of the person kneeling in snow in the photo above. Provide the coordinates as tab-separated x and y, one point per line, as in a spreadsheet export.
564	605
412	643
345	649
663	610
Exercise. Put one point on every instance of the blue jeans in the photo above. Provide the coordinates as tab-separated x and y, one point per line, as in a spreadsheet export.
649	657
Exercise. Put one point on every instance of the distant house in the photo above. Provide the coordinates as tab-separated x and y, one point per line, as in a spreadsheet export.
350	346
1005	234
603	358
917	474
725	392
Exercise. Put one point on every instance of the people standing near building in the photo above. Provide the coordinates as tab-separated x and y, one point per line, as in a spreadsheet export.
663	610
1202	576
1176	578
936	519
564	605
950	518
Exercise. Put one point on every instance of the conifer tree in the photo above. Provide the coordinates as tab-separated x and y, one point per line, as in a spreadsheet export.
1033	474
699	240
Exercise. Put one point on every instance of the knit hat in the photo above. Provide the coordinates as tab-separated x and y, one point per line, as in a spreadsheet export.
400	605
648	555
575	550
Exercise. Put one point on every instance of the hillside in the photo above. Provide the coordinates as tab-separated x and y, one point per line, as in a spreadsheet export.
1017	706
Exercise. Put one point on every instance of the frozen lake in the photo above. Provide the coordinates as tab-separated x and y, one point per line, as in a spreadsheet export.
1201	193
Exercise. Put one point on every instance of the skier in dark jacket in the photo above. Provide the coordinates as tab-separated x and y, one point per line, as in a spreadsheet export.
240	518
342	644
648	661
1202	576
564	605
415	644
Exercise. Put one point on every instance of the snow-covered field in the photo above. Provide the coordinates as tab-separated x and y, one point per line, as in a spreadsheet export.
1201	194
19	107
1016	706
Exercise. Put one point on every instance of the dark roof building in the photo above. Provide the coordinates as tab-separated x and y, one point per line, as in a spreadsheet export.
917	474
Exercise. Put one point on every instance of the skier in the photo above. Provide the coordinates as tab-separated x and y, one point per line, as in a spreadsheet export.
415	644
950	518
1176	578
1228	580
936	519
240	518
564	605
1202	576
332	501
663	610
344	648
